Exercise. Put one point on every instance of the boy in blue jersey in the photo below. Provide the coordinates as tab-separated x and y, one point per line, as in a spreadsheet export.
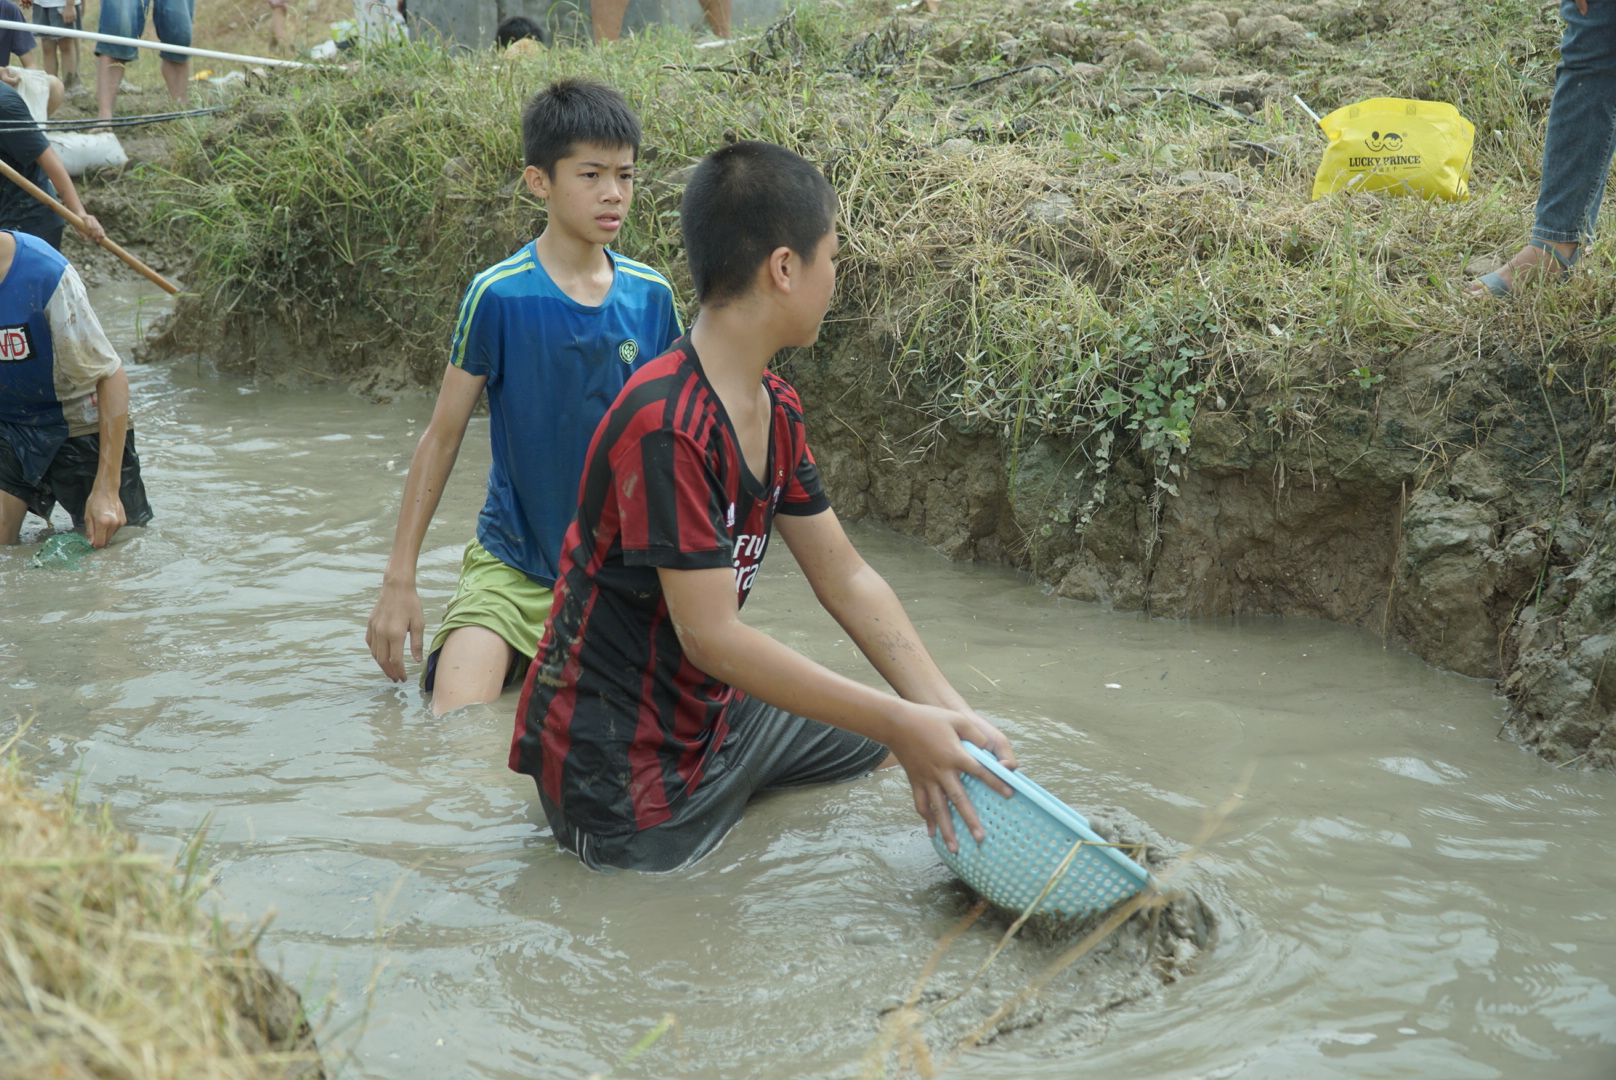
552	333
64	401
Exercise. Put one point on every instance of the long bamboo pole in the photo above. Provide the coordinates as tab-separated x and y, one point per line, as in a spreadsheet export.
78	223
139	43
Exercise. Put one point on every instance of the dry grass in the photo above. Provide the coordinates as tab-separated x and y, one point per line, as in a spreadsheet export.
243	25
1044	252
239	26
108	968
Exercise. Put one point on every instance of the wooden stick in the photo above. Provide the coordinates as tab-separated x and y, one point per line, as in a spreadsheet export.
78	223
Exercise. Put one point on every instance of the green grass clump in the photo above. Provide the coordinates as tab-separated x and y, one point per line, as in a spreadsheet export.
1042	252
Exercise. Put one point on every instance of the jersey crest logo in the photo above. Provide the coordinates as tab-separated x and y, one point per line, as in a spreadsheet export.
16	344
627	351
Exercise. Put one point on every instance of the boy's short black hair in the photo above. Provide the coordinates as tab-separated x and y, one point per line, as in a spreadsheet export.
517	27
743	202
574	111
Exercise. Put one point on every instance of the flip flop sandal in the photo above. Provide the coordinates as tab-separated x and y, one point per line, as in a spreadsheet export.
1497	286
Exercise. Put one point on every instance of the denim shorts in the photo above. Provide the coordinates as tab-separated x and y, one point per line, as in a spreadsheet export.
127	18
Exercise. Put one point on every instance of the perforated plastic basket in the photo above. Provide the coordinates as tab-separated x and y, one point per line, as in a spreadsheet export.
1026	839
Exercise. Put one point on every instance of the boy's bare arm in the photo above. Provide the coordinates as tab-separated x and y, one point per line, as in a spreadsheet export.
924	738
864	604
397	614
59	178
103	510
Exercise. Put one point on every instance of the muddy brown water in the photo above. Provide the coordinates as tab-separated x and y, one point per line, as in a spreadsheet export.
1405	894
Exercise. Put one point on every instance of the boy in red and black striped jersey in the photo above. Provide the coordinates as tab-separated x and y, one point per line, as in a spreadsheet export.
651	713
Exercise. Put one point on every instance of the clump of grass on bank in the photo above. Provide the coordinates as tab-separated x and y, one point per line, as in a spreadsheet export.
109	970
1047	251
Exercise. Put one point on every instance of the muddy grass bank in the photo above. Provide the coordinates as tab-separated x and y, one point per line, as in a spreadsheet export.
111	967
1085	326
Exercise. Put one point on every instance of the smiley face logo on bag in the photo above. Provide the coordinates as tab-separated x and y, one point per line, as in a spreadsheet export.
1396	146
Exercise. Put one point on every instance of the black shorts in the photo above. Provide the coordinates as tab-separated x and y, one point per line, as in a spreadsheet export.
70	476
766	748
51	232
47	227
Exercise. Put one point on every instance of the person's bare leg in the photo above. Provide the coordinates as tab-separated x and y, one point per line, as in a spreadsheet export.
717	12
12	511
1528	258
606	18
108	77
471	668
57	93
277	26
178	78
70	62
47	53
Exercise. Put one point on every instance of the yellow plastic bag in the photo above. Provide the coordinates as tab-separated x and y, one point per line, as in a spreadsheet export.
1397	146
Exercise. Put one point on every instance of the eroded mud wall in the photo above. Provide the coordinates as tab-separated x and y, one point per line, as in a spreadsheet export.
1461	507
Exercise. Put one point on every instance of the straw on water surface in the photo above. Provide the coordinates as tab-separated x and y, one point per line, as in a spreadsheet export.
109	969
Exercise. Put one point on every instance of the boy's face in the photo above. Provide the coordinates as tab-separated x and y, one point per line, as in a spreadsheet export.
810	297
589	194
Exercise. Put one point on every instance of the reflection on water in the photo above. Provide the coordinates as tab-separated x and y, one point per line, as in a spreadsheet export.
1421	900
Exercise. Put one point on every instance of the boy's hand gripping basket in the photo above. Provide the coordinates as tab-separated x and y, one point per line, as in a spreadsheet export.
1026	840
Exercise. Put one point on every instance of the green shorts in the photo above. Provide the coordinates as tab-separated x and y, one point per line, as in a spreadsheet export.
499	597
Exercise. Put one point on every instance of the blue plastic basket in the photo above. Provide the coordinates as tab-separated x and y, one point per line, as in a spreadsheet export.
1025	840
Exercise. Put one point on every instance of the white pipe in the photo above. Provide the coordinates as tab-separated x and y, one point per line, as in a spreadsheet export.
62	31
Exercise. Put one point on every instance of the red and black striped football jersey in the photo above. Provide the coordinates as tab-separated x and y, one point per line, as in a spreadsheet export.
616	724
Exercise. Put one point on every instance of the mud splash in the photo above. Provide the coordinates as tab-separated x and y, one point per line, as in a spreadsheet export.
1128	965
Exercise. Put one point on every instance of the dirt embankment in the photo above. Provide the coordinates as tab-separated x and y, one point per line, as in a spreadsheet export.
1087	324
1461	507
